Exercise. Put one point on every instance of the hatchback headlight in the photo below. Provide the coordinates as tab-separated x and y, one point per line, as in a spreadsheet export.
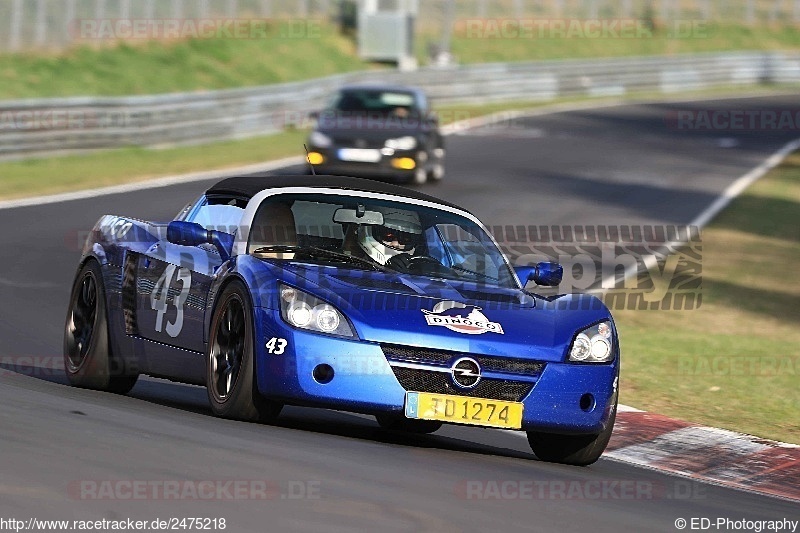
593	345
403	143
304	311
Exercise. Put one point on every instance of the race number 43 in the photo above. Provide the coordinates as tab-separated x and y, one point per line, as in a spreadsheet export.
276	346
158	298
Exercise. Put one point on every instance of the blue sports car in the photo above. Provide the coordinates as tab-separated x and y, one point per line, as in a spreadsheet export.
346	294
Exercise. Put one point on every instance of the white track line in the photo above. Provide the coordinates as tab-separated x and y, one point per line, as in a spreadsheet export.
732	191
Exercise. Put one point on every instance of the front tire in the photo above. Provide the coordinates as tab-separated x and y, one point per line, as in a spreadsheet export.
437	168
419	177
88	361
578	450
230	360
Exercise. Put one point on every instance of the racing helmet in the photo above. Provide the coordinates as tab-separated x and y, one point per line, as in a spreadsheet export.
400	233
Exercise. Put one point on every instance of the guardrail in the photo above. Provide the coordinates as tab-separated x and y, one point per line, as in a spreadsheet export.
66	125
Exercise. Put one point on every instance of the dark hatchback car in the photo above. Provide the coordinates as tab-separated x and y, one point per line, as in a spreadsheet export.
381	132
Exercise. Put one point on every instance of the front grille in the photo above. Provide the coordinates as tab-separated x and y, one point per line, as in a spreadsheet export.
511	365
417	380
358	142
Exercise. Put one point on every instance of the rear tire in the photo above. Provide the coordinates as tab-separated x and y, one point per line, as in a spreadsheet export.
400	423
230	360
578	450
88	361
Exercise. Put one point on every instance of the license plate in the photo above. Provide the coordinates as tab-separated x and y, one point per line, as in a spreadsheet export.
464	410
362	155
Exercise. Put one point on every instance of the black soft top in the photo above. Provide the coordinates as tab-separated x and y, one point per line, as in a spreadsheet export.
249	186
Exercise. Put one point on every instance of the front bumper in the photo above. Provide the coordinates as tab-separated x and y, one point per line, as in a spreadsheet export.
381	169
364	381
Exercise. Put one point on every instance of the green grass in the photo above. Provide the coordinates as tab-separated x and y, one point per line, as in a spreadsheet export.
209	64
735	361
112	167
189	65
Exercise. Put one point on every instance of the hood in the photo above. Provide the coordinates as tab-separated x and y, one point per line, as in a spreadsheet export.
471	318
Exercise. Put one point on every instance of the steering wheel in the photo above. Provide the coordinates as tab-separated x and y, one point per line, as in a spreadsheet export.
413	263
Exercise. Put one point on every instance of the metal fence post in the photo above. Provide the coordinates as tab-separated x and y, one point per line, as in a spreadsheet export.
70	24
627	8
666	10
41	23
518	8
593	11
774	12
14	42
706	10
100	9
125	9
177	9
750	14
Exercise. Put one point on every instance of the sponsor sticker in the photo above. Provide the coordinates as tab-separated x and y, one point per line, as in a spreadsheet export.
450	314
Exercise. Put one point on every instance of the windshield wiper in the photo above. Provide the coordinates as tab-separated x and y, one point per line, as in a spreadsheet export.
477	274
321	253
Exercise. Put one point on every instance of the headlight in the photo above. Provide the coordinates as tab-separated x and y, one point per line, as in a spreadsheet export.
304	311
403	143
593	345
319	139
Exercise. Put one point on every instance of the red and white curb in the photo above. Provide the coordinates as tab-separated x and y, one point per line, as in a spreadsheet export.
707	454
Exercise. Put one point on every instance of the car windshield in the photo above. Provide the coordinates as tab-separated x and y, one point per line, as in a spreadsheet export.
374	101
371	234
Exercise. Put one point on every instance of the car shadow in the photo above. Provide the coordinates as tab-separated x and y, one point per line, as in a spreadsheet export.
193	399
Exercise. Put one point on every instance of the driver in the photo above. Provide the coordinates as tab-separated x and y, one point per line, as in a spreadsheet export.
400	233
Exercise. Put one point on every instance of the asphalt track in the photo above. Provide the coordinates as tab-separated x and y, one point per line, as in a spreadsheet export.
335	471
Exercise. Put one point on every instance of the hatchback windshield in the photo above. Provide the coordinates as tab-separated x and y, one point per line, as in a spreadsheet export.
371	234
374	101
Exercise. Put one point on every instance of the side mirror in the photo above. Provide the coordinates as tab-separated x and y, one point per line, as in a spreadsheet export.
433	118
193	234
546	273
186	233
